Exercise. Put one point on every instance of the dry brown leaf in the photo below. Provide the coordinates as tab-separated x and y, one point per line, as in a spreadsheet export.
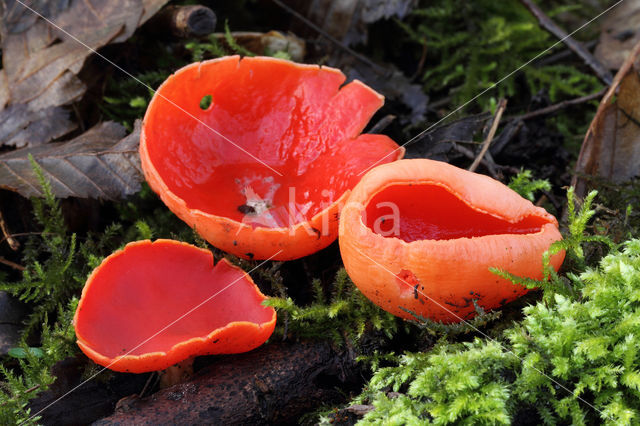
347	20
40	62
100	163
620	32
611	148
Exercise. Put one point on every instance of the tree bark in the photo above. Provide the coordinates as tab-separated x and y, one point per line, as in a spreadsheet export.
273	384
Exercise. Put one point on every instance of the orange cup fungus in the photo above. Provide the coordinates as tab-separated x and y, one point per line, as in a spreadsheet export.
421	235
154	304
262	165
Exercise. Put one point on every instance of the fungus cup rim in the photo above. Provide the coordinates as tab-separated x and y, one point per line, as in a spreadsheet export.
194	216
150	360
369	193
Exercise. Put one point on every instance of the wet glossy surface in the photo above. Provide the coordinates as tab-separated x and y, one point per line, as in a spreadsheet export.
301	123
431	212
143	291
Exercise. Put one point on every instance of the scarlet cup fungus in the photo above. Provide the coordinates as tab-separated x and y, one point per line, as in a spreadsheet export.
263	166
154	304
421	235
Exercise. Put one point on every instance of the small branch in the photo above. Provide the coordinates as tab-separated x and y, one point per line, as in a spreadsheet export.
377	68
13	243
557	107
545	22
470	155
185	21
152	378
382	124
494	127
360	410
423	58
12	264
563	54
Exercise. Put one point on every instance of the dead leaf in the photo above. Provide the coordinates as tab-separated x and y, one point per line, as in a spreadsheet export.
347	20
41	62
620	32
394	86
100	163
437	143
611	148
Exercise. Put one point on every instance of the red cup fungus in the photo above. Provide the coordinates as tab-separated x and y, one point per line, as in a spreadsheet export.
421	235
258	154
154	304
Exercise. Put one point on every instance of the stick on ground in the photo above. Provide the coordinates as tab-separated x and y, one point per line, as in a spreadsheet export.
494	126
545	22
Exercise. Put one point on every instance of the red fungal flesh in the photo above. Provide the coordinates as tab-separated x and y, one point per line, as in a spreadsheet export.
138	292
431	212
295	118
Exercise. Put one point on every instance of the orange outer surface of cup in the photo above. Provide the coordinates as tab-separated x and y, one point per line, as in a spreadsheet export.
243	240
439	279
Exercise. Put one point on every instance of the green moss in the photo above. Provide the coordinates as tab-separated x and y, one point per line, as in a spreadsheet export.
473	45
344	315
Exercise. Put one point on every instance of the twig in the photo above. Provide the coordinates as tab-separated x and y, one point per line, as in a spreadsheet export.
22	234
563	54
185	21
152	377
509	132
546	23
423	58
470	155
13	243
12	264
382	124
556	107
377	68
31	389
359	409
494	126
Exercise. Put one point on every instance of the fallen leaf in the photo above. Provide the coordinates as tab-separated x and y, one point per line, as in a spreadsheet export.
620	32
100	163
437	142
611	147
41	62
394	86
347	20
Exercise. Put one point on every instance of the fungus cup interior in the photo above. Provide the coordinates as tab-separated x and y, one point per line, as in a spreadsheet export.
277	143
131	302
429	211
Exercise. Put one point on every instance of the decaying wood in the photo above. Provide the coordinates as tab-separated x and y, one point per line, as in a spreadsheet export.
274	384
185	21
545	22
93	400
